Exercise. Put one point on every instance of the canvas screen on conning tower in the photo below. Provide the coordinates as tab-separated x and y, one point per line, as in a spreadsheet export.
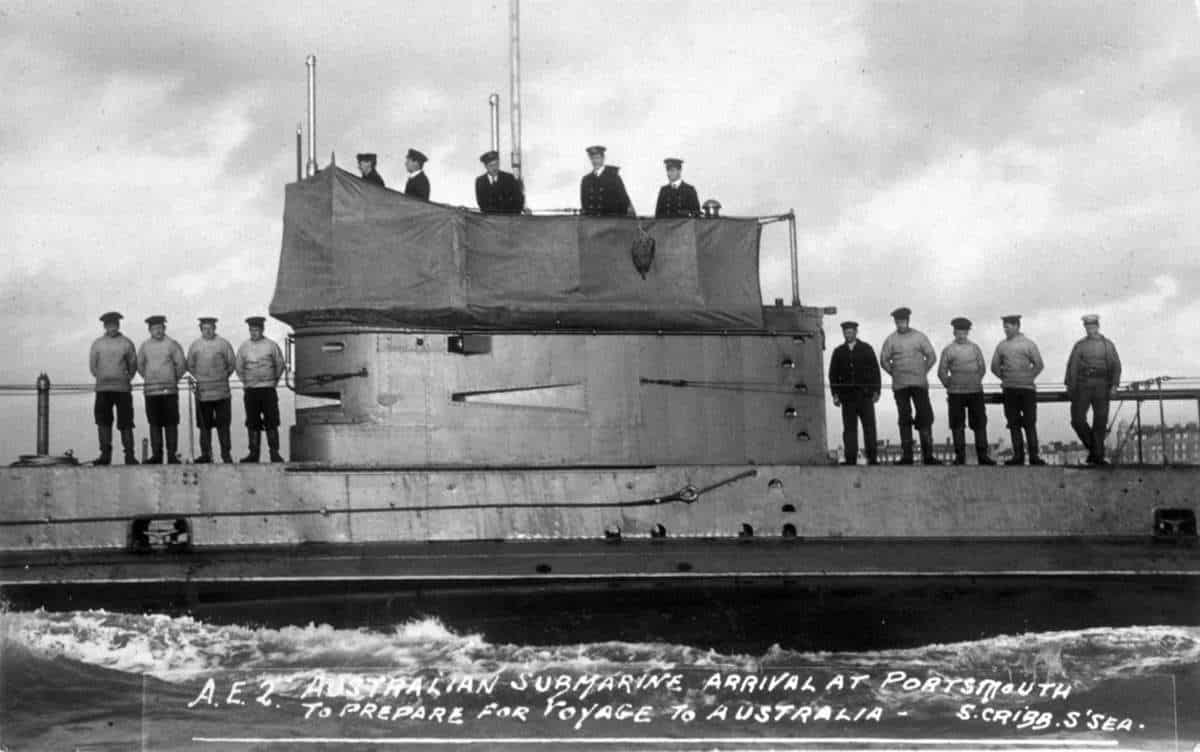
359	254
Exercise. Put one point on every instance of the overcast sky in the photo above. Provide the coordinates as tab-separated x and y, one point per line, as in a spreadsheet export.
961	158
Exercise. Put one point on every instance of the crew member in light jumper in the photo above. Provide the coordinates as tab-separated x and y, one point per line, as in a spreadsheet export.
1017	362
961	370
113	362
1093	372
907	356
366	165
496	191
676	198
417	184
855	382
260	366
601	191
162	364
211	362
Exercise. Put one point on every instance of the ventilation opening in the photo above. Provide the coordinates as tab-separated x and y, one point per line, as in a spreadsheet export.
1174	524
333	347
747	531
612	533
803	436
789	530
148	534
542	569
658	531
788	509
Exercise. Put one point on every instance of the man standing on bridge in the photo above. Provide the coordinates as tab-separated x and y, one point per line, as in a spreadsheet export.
259	366
1017	362
855	383
961	371
113	363
1093	372
907	356
211	361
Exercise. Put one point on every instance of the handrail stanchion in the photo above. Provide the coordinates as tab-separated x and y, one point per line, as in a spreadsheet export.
191	382
795	257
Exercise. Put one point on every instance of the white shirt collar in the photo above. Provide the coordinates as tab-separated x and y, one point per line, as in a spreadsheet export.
675	183
597	171
412	175
492	178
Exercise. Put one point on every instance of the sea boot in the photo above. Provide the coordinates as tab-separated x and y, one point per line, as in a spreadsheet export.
104	433
1031	438
927	457
981	454
172	445
273	445
156	445
960	446
906	453
255	439
226	443
127	444
205	447
1018	442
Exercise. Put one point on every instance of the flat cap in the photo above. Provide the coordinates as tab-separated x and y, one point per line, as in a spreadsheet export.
961	322
111	316
417	156
1012	318
591	150
673	162
208	319
849	324
1091	318
152	320
489	156
367	157
256	320
902	312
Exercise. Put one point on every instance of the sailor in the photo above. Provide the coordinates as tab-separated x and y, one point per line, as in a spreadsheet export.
1093	372
496	191
259	366
211	361
417	184
366	165
676	198
113	361
602	192
961	370
907	356
855	382
162	364
1018	362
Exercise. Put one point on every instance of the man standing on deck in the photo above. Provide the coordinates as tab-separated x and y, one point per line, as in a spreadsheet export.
961	371
417	184
907	356
1017	362
855	382
496	191
259	366
602	192
113	362
1093	372
366	165
676	198
162	364
211	361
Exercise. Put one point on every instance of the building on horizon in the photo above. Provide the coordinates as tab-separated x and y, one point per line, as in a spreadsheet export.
1182	442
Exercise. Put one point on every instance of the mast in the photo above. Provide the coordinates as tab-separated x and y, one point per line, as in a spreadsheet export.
494	104
311	62
515	83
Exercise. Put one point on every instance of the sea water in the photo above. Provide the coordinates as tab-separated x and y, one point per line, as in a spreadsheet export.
99	680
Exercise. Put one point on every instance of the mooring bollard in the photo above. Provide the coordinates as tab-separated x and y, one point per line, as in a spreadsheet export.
43	415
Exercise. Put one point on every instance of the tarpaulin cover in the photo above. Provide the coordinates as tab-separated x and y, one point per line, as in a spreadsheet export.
360	254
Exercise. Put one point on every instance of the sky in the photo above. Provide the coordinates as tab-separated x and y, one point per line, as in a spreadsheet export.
960	158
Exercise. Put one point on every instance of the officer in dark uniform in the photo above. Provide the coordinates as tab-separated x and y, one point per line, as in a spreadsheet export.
602	192
855	382
417	185
366	165
676	198
496	191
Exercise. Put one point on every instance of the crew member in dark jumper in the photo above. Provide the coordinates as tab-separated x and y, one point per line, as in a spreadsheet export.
260	366
1018	362
907	356
676	198
162	364
961	370
366	165
1093	372
211	361
417	184
113	362
602	192
855	382
496	191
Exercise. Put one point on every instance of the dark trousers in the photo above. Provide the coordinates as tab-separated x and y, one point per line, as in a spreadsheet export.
972	408
262	408
1091	395
855	408
908	399
162	409
1020	408
107	402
